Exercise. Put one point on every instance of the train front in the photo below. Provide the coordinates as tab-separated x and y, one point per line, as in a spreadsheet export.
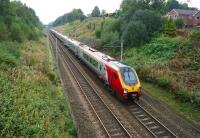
130	82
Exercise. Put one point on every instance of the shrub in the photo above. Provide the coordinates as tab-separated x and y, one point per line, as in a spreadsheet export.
179	23
98	33
109	37
16	32
3	31
9	53
135	34
150	19
164	81
195	37
169	27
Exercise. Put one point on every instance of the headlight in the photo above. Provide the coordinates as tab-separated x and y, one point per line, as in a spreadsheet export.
125	90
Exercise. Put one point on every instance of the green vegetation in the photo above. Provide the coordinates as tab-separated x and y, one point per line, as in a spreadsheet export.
161	56
182	108
169	27
31	98
172	64
18	22
32	101
96	12
75	14
174	4
179	23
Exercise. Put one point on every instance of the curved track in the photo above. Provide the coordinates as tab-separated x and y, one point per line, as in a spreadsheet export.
109	121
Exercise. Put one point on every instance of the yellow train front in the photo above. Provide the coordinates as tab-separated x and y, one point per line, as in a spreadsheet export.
123	80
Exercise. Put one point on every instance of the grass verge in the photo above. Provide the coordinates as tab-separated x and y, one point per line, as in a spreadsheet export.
32	100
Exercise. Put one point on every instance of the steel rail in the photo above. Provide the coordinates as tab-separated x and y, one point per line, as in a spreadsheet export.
153	125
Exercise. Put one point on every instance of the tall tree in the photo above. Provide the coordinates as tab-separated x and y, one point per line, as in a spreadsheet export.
75	14
96	12
174	4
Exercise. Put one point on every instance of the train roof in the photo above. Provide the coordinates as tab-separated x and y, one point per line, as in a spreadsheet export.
95	53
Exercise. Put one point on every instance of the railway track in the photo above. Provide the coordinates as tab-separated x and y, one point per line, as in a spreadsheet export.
106	117
157	129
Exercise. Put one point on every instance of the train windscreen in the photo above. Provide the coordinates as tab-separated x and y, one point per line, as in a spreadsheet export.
128	76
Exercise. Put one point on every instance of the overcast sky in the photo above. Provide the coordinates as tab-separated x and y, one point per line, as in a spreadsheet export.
49	10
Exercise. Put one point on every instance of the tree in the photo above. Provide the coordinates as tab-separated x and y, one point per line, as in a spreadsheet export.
129	7
111	30
174	4
169	27
75	14
96	12
150	19
135	34
4	6
17	21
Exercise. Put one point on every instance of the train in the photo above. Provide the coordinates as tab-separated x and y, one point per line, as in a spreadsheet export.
121	79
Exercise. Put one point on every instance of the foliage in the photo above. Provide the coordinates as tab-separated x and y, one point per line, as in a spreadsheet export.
169	27
17	21
96	12
150	19
98	33
31	99
130	6
174	4
135	34
3	31
195	34
179	23
111	31
9	54
75	14
170	63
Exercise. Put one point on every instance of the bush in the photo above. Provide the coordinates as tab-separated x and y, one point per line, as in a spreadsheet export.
9	53
195	38
3	31
98	33
169	27
111	30
150	19
179	23
135	34
110	37
16	32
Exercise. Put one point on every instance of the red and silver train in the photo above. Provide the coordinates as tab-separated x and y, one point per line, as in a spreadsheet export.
121	78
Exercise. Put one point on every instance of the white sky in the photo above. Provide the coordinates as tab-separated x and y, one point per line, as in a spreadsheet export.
49	10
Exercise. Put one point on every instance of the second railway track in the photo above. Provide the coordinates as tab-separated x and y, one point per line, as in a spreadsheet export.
107	118
157	129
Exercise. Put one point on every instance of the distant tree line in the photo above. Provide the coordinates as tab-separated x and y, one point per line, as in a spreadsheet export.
18	22
75	14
